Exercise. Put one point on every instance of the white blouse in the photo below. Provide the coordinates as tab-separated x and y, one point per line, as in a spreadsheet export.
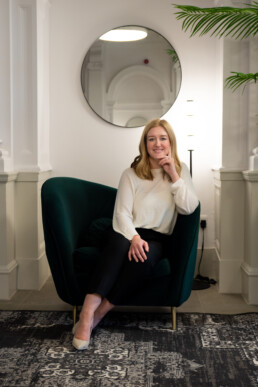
152	204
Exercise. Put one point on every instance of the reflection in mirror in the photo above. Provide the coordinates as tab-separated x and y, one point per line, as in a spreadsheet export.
128	83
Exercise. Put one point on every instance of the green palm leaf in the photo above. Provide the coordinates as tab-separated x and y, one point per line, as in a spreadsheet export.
220	21
173	55
239	79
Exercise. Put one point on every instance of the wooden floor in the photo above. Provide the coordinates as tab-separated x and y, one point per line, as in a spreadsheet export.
201	301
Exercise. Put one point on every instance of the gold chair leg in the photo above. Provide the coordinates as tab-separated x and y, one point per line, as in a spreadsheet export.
173	313
74	314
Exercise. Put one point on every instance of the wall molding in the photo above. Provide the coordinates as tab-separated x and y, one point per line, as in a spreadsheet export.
250	175
23	262
250	283
236	218
229	227
8	280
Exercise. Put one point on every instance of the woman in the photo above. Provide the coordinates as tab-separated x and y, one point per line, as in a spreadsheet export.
150	195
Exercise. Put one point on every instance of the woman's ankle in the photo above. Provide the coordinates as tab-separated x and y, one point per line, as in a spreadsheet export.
101	311
86	317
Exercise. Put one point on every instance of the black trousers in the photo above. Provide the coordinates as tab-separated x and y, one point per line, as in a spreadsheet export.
115	276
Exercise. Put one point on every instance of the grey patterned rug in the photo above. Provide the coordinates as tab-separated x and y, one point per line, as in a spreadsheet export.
129	349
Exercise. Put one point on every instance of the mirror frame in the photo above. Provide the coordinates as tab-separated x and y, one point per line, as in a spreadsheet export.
114	85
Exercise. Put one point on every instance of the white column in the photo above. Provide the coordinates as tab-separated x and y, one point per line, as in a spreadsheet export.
250	263
33	269
24	142
30	85
229	228
235	194
8	264
6	134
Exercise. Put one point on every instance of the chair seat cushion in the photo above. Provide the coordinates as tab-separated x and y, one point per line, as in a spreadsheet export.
85	259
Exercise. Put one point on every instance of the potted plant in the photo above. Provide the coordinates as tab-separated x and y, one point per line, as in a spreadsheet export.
239	23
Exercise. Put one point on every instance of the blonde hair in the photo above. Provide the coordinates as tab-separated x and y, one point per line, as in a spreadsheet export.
141	163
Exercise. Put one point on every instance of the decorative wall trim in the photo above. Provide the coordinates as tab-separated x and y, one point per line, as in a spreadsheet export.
250	175
29	82
32	272
5	269
229	227
23	263
8	280
249	266
229	275
249	270
31	176
8	265
250	283
5	177
226	174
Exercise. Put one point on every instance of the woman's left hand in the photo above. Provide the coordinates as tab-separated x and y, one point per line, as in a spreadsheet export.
168	164
137	249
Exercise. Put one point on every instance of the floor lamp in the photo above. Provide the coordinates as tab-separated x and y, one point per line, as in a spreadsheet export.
198	282
191	161
190	130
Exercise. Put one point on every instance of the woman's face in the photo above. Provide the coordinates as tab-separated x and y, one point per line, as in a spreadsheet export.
158	145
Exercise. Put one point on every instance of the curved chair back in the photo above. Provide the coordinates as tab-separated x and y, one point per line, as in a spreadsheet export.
69	206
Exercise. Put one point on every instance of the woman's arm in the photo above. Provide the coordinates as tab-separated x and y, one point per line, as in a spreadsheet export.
123	217
184	194
123	211
182	186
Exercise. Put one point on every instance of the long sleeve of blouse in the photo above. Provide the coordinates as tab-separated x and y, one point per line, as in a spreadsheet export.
152	204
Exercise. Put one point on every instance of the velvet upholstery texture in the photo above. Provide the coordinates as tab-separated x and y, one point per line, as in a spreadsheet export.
75	215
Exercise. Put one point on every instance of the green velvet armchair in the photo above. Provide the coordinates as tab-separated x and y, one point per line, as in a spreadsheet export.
75	214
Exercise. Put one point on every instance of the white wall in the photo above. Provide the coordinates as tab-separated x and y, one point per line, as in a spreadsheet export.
84	146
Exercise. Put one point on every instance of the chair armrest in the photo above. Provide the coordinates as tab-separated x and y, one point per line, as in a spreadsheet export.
184	243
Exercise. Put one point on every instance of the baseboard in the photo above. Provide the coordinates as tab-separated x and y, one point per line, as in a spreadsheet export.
8	279
32	273
250	284
229	274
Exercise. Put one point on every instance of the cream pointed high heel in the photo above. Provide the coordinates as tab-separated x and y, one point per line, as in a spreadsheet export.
78	343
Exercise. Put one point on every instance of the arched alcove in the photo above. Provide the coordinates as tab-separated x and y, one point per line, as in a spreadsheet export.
137	91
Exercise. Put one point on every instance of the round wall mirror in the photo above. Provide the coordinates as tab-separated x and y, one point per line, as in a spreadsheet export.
129	80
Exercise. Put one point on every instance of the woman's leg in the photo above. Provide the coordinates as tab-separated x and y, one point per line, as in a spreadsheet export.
133	274
95	305
101	311
113	256
85	324
115	278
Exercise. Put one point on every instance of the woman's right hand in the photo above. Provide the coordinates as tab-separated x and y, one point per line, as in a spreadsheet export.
137	249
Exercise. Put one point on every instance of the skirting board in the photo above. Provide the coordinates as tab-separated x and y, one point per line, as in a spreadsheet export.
229	274
32	273
8	280
249	284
